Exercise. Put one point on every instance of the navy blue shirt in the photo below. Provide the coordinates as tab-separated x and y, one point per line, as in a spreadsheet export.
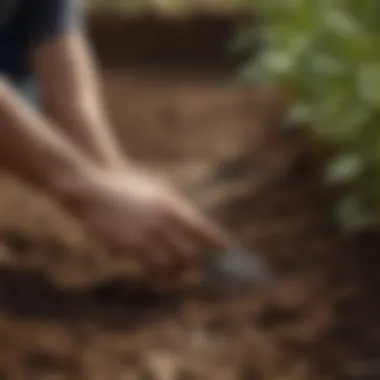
26	23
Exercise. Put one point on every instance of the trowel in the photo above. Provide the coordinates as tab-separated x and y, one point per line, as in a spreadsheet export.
236	269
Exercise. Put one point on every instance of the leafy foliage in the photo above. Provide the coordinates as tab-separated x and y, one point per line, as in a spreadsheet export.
326	53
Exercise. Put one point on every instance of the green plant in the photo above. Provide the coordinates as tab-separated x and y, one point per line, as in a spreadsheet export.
326	54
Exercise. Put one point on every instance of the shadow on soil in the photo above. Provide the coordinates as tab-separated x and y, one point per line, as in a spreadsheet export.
31	295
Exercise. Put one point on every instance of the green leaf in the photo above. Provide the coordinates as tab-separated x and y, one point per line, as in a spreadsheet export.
299	114
339	21
369	83
346	168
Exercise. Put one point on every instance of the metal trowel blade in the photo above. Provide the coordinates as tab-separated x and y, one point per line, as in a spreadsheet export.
235	269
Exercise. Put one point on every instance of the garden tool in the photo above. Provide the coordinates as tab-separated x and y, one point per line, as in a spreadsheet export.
235	269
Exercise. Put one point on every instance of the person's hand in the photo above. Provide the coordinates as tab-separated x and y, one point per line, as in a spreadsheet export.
139	215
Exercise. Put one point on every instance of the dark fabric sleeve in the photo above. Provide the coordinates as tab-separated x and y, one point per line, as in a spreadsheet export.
51	18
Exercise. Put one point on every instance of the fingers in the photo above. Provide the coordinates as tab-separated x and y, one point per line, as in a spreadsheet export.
198	229
175	253
170	244
174	244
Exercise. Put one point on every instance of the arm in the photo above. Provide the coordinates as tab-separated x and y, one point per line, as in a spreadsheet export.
130	211
33	148
67	78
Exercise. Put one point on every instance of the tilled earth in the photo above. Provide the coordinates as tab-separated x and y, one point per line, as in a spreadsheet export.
70	311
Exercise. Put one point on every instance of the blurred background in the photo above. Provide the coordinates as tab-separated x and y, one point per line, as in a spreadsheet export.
266	114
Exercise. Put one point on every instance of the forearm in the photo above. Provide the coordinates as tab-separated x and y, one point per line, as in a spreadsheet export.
73	97
90	130
33	149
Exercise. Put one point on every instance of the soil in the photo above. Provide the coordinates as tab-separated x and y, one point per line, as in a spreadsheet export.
68	310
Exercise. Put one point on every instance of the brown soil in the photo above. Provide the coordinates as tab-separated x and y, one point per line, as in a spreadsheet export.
68	311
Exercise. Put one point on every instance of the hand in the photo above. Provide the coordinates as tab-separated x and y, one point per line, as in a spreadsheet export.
137	214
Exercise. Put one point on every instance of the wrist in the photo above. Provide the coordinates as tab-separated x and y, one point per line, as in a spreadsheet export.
75	188
71	184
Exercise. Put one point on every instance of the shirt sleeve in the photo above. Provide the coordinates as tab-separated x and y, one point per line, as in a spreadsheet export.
51	18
